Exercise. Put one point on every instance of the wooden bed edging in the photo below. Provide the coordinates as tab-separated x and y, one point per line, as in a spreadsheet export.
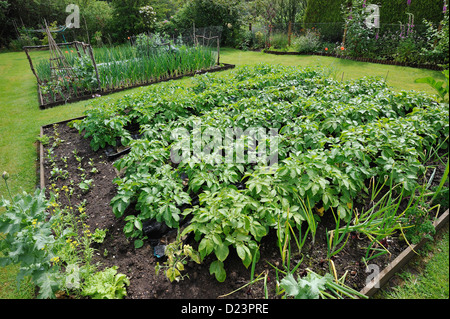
386	274
41	148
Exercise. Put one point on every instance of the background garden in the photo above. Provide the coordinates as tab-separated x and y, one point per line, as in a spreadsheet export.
413	31
246	25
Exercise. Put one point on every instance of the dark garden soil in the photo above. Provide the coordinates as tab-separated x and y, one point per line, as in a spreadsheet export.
139	264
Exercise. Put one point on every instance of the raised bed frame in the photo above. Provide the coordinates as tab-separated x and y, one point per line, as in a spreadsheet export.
103	92
87	49
378	282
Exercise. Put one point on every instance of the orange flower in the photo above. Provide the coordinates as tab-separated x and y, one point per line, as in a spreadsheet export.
326	49
71	51
342	48
128	38
67	51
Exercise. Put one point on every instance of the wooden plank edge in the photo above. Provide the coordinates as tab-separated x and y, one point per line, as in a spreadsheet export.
386	274
41	161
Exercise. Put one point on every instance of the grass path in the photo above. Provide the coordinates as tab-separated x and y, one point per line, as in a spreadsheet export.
426	276
21	118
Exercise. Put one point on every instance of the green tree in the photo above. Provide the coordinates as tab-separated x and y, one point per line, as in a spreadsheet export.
326	16
206	13
127	19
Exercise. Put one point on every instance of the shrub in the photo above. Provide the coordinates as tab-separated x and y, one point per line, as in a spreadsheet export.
23	40
437	48
408	51
279	41
307	43
325	16
259	40
360	40
244	40
206	13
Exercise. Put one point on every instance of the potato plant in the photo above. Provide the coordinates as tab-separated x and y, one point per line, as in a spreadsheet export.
332	138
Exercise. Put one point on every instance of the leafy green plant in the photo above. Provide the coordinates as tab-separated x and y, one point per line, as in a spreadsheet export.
85	73
360	40
106	284
441	90
157	196
279	41
27	240
99	235
224	221
333	139
315	286
86	184
308	42
178	254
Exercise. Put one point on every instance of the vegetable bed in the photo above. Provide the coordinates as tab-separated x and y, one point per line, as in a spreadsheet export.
345	192
113	69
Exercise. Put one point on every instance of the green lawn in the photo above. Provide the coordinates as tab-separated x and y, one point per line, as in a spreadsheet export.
21	117
426	276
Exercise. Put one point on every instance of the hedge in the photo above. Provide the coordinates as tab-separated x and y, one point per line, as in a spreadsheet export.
326	15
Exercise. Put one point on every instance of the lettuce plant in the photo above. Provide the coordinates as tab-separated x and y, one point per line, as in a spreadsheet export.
106	284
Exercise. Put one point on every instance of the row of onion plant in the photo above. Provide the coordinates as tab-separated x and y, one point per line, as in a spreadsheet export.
123	66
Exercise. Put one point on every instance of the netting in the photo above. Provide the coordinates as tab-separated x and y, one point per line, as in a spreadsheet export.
192	36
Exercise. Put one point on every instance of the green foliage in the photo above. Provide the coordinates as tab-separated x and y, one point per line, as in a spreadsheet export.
85	73
279	41
128	19
149	60
178	254
313	286
437	48
326	17
307	43
360	39
95	15
99	235
21	41
106	284
308	287
393	11
438	86
206	13
103	127
51	244
408	50
28	240
333	138
421	225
